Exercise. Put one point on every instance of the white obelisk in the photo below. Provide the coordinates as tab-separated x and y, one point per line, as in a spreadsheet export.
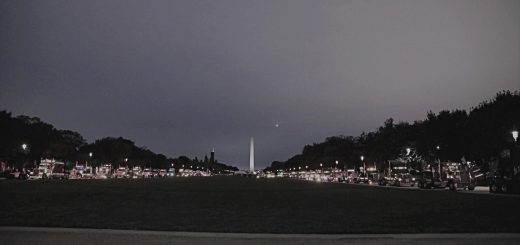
252	156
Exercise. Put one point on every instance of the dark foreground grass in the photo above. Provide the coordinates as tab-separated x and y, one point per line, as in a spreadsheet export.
236	204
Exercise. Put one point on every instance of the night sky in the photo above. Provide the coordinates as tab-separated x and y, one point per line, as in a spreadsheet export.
182	77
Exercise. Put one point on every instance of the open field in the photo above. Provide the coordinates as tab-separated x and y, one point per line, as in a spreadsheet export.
236	204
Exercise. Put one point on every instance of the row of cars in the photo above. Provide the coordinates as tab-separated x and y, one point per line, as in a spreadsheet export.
455	176
51	169
446	175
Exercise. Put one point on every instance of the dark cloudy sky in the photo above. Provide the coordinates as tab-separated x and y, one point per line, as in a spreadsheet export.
181	77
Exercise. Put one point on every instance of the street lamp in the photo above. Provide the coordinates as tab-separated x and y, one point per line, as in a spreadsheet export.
408	150
90	155
24	149
438	148
514	151
362	160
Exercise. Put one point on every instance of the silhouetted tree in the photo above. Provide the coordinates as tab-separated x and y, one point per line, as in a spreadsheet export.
480	135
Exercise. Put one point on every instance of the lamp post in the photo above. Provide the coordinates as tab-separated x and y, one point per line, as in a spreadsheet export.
438	149
321	166
90	154
362	161
514	133
25	148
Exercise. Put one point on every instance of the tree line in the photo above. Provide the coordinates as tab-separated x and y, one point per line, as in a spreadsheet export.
483	135
26	140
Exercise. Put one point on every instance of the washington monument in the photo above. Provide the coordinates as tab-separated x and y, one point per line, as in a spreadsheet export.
252	156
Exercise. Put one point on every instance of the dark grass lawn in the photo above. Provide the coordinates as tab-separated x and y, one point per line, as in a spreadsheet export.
238	204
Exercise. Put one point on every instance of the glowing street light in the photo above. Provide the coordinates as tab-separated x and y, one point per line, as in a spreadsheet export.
90	154
408	150
364	166
438	148
515	135
126	159
24	149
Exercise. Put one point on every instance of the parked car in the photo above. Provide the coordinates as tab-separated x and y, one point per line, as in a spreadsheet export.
171	172
501	183
82	172
104	171
49	169
147	173
121	172
162	173
14	174
398	174
136	172
452	175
